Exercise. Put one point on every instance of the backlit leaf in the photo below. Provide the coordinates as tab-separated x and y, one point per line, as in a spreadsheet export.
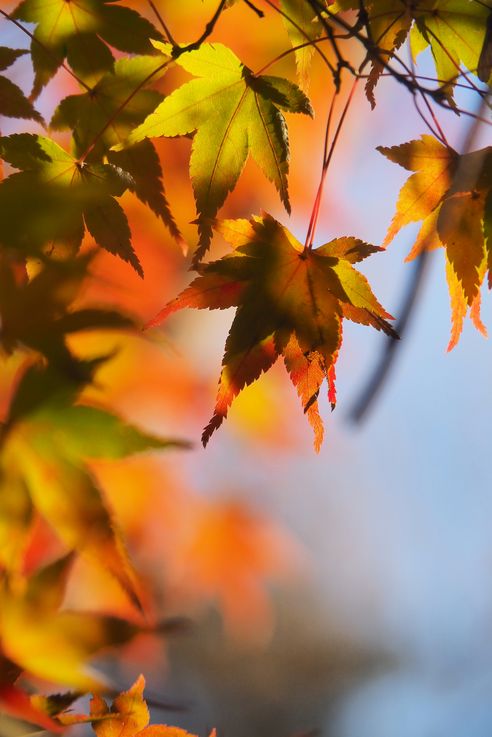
79	32
451	194
88	114
234	113
434	166
13	102
455	32
59	194
388	25
37	312
129	716
290	301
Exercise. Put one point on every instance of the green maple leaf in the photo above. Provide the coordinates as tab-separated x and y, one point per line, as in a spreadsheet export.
455	31
60	195
234	113
80	31
88	114
13	102
290	302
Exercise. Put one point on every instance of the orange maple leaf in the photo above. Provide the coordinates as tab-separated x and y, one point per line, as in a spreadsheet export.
452	194
129	716
291	302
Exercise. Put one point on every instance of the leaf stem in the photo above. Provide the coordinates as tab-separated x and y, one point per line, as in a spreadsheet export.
327	157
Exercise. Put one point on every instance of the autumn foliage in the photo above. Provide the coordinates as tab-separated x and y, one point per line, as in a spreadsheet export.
145	139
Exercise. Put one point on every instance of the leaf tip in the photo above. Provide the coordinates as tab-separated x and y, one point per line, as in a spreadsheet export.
212	426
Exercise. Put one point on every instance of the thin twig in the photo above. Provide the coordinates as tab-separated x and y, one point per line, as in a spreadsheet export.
438	131
326	163
177	51
253	7
309	239
209	28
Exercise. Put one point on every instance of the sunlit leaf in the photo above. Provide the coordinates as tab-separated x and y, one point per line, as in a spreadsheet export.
80	31
455	32
234	113
451	194
60	194
37	312
129	716
106	115
282	292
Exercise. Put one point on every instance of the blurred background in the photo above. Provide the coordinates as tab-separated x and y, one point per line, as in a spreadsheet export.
347	593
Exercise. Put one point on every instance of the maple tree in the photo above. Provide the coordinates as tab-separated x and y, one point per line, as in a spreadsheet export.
66	199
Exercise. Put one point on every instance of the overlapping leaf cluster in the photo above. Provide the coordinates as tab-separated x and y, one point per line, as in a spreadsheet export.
452	195
51	199
62	199
456	31
234	113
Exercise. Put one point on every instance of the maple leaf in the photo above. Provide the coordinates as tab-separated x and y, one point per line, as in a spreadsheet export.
60	194
233	113
13	102
111	99
16	702
455	32
434	165
49	642
87	114
129	716
451	194
291	302
80	31
47	443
